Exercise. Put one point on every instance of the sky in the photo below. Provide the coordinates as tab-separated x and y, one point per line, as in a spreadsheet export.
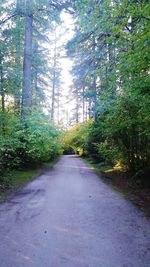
66	65
64	33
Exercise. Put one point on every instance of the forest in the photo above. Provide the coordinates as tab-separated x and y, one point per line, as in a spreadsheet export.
110	51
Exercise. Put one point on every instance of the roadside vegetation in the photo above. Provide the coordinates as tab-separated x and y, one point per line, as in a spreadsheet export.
111	55
29	82
25	147
109	159
110	92
14	179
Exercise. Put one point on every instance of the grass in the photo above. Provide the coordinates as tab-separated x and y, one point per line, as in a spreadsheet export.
14	180
50	164
98	168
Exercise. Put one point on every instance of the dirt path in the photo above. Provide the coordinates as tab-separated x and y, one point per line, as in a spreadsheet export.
69	218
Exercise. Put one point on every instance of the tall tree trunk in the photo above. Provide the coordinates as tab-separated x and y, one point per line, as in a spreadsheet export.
26	94
54	79
17	93
83	105
94	89
77	107
53	96
90	108
2	89
86	110
58	107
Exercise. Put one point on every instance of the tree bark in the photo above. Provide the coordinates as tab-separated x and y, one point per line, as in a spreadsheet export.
83	104
53	95
26	94
77	106
58	107
18	82
54	79
2	89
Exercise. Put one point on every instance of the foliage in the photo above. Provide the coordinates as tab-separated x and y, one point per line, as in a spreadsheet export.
111	63
27	68
25	143
111	56
77	137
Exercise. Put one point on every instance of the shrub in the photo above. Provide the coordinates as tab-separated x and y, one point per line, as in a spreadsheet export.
25	142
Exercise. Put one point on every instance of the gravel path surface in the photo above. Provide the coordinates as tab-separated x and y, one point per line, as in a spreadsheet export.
68	217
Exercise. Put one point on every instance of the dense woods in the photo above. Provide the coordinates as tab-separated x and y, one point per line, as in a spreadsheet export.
110	54
111	57
29	73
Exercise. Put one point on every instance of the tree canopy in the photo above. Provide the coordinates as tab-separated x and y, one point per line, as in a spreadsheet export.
111	74
110	90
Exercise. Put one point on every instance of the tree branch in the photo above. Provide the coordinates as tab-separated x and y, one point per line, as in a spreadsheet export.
8	18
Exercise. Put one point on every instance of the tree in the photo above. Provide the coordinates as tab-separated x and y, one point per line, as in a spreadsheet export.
110	40
24	72
27	60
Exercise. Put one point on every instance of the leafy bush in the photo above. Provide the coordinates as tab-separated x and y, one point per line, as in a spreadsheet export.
25	142
77	137
120	133
41	139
